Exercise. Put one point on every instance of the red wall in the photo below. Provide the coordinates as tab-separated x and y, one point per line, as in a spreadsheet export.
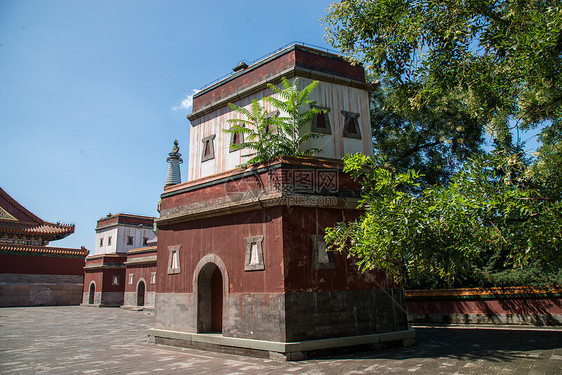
223	236
287	246
505	305
41	265
104	280
293	58
298	224
96	277
103	276
140	271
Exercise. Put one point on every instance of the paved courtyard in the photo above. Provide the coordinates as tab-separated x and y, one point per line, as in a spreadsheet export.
78	340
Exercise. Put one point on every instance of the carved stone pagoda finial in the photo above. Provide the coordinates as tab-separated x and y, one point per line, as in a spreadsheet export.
174	160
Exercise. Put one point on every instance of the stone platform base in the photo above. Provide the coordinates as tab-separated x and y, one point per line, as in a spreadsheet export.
98	305
283	351
138	308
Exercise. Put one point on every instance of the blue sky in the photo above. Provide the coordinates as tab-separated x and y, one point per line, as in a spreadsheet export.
87	117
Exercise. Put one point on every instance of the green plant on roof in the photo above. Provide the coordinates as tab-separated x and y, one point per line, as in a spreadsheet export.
268	137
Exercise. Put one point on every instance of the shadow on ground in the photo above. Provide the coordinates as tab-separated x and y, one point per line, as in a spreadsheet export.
468	344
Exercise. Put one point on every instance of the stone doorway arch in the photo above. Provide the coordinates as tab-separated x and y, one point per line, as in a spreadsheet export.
141	291
92	293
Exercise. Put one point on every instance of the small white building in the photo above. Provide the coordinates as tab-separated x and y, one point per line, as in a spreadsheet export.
122	232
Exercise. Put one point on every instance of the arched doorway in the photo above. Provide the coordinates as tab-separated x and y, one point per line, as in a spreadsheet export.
92	293
140	293
210	299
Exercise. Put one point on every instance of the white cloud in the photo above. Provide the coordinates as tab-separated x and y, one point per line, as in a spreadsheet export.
187	103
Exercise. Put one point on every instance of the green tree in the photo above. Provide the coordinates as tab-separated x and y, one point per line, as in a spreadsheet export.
284	135
485	226
255	128
546	172
297	112
502	59
477	64
434	139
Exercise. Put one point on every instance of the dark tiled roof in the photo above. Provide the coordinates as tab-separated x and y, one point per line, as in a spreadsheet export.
141	250
26	223
125	219
45	229
43	250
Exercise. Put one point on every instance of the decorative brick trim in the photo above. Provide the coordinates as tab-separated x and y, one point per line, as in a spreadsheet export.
268	116
323	130
208	144
232	139
174	259
321	259
254	254
348	117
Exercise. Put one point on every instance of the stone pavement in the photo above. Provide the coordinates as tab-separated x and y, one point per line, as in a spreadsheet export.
80	340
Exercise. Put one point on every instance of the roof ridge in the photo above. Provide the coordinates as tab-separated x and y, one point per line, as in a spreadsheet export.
35	219
44	249
19	207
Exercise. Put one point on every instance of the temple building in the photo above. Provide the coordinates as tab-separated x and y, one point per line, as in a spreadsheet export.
122	270
241	259
32	273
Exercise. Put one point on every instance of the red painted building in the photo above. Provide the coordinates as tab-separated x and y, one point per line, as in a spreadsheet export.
241	253
106	277
32	273
140	286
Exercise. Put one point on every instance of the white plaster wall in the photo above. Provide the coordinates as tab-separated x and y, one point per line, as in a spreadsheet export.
136	232
334	96
119	234
105	234
341	98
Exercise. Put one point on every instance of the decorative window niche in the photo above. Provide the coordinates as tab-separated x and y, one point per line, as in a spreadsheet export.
321	122
208	152
174	259
101	242
131	278
129	240
153	278
351	127
254	254
321	259
268	117
235	139
109	241
115	280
